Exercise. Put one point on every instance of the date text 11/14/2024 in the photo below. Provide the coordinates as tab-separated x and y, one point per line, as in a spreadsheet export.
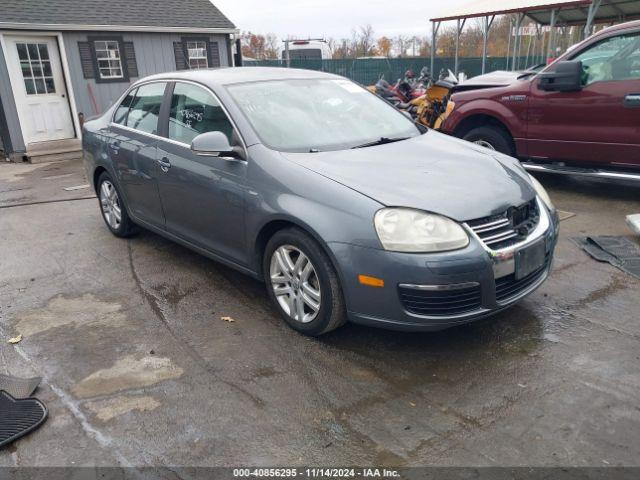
315	472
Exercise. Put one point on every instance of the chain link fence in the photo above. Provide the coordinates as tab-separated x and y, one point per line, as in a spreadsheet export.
367	71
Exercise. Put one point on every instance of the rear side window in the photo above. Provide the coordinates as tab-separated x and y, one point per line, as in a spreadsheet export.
194	111
145	108
123	109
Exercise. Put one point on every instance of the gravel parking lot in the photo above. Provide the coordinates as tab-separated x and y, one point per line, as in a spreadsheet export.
140	369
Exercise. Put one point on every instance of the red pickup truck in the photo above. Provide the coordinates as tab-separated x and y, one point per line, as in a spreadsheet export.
583	110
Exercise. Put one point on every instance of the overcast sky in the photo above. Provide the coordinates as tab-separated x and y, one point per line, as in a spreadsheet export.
334	18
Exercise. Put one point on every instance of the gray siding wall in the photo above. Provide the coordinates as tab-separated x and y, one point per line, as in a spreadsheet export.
10	110
154	54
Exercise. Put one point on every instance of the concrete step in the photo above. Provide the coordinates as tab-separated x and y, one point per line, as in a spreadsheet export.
55	157
46	147
54	151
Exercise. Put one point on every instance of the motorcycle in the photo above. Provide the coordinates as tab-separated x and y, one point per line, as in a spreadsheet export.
423	98
430	107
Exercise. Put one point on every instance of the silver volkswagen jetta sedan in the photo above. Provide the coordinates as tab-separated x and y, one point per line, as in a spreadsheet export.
341	204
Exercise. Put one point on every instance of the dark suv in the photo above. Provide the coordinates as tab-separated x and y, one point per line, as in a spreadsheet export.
582	110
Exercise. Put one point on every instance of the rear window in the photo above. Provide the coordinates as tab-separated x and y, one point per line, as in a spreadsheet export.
145	108
122	111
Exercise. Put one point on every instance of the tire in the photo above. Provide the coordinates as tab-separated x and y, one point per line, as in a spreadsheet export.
492	137
111	206
323	281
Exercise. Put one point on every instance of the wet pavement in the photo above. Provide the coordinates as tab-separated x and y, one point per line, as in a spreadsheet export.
139	368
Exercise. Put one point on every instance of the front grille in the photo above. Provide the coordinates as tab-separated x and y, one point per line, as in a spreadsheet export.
440	303
507	228
508	287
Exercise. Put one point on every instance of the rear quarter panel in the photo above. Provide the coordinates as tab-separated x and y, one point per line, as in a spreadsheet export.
94	146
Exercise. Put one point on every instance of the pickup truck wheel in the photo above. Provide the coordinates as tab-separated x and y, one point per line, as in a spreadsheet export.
494	138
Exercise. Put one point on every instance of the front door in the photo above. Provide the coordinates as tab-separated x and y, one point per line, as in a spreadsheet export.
39	88
202	197
599	124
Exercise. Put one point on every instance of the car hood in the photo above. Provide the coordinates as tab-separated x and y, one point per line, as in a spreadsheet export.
499	78
432	172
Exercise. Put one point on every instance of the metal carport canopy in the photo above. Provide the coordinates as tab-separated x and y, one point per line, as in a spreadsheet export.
543	12
571	12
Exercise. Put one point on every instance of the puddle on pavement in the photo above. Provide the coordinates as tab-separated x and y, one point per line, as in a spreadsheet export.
64	311
108	409
127	373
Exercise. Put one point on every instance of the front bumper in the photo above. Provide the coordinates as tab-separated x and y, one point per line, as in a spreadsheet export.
474	267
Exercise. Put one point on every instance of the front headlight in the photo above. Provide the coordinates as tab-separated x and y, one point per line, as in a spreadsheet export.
451	105
542	193
415	231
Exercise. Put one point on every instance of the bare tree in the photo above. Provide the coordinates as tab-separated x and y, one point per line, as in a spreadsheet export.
401	43
365	41
333	46
271	46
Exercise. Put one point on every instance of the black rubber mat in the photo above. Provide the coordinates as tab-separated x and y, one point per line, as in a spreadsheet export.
19	387
19	417
620	252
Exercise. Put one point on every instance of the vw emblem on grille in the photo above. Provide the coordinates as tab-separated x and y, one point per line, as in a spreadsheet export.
519	219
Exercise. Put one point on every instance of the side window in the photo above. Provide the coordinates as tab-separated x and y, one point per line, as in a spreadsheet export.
194	111
613	59
145	108
122	111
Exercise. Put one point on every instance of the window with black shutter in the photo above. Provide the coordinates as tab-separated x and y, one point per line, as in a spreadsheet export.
108	59
193	53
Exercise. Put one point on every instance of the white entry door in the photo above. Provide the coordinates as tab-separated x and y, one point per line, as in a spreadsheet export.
39	88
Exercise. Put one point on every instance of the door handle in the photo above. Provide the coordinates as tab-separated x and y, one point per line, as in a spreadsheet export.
165	164
632	100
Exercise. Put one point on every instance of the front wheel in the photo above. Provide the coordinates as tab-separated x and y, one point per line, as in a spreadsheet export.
302	283
493	138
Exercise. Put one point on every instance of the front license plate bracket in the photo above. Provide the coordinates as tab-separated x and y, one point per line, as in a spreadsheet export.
530	259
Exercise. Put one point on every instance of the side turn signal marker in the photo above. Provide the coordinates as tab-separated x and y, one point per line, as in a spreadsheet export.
371	281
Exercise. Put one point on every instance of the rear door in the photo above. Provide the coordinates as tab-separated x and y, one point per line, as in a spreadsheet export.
132	148
599	124
203	197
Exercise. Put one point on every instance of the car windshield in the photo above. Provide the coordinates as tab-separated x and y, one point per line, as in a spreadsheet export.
312	115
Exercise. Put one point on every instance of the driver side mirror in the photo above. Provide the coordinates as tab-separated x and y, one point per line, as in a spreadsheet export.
566	77
214	144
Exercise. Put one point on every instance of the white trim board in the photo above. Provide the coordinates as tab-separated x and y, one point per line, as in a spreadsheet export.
113	28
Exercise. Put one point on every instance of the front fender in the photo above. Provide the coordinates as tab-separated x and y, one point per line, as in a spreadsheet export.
283	192
512	120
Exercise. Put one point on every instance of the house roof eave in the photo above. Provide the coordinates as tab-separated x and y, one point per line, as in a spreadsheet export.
113	28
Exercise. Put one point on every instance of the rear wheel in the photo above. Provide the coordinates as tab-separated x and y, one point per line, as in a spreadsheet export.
113	209
302	283
491	137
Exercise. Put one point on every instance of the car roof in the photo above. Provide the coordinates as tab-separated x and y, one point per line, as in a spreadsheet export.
229	76
621	26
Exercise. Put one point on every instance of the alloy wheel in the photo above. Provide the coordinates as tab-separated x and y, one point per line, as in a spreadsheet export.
110	203
295	283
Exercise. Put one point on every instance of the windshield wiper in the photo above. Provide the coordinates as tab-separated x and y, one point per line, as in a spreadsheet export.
527	74
380	141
